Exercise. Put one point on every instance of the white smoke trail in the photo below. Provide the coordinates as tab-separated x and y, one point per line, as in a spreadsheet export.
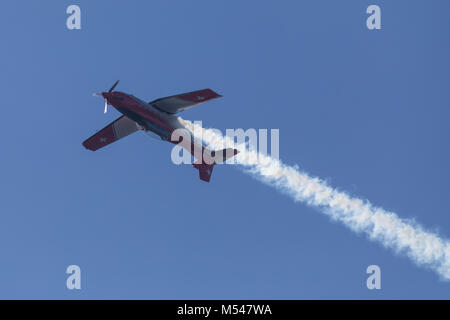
423	247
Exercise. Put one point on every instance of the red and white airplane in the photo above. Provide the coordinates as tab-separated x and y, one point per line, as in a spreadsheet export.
158	117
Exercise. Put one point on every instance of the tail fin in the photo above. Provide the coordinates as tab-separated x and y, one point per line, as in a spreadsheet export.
220	156
205	170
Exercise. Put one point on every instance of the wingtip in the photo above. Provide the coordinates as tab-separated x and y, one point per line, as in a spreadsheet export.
87	146
214	94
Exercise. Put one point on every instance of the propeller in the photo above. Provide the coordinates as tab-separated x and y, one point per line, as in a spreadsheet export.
110	90
114	85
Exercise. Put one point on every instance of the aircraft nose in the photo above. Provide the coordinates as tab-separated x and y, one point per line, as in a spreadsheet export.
108	97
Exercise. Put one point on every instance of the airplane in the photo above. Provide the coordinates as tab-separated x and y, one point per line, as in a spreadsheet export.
158	117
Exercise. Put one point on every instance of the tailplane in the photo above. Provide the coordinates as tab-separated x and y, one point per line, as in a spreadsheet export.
220	156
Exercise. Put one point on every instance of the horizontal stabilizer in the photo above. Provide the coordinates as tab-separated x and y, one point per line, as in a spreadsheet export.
220	156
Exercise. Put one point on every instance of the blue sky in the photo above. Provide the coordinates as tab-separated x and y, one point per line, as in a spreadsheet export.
366	110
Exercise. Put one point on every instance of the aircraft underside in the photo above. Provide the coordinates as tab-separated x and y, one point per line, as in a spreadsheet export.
157	117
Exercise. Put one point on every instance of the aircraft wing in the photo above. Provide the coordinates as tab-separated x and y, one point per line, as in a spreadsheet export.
181	102
114	131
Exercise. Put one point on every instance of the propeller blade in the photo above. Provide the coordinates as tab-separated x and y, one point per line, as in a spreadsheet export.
114	85
106	106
